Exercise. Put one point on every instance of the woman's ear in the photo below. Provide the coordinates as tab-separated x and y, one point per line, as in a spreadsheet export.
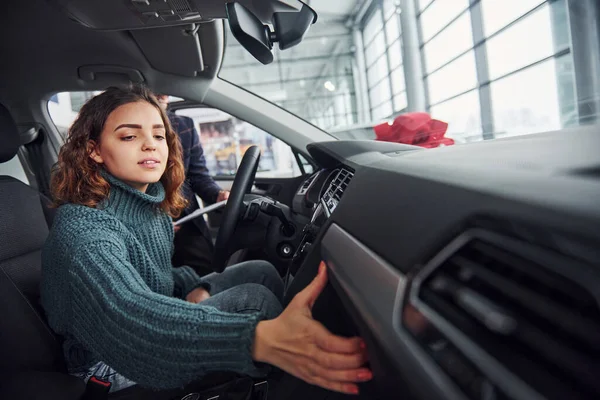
93	152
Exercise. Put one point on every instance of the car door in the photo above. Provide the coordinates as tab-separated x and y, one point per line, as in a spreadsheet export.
225	138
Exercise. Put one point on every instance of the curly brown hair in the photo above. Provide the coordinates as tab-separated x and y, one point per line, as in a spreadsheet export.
76	178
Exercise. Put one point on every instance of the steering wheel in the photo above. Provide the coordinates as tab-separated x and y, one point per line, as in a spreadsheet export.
242	184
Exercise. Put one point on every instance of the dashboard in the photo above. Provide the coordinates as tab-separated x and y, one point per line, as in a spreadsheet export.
473	272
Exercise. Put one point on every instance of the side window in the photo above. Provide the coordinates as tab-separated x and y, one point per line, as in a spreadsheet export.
225	138
14	168
63	108
307	166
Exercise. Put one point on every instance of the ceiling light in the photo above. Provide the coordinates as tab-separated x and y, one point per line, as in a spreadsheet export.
302	83
329	86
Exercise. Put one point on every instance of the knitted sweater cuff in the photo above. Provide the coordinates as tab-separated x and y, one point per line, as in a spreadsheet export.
187	280
254	369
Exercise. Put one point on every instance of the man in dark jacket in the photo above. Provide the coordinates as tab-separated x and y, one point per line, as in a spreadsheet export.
193	243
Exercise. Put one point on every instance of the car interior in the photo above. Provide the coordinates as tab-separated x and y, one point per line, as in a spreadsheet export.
471	271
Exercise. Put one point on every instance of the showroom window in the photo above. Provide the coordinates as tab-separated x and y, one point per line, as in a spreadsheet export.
497	68
439	14
524	102
393	31
382	38
463	116
457	77
449	67
498	14
423	4
530	66
525	42
447	45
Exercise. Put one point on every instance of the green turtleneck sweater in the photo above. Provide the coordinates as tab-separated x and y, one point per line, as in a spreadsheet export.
108	287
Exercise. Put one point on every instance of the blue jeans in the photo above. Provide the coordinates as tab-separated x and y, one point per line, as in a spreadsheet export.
248	287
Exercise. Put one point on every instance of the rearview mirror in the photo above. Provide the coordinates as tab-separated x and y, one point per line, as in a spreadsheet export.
250	32
257	38
290	27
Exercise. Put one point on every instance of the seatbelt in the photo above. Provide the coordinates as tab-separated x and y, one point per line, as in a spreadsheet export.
96	389
243	388
27	167
34	154
47	209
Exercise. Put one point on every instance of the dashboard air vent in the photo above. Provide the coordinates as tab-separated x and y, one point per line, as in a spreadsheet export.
336	189
538	325
306	185
340	183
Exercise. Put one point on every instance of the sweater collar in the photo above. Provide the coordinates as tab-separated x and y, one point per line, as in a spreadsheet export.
129	203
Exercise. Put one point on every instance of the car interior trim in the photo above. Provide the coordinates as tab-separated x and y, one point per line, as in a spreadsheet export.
376	289
515	387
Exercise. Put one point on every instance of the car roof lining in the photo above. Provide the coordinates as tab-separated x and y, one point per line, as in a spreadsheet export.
137	14
47	49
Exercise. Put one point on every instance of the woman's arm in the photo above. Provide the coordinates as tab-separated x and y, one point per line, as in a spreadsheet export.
301	346
186	280
155	340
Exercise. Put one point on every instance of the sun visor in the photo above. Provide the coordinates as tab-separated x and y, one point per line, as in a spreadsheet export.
176	50
139	14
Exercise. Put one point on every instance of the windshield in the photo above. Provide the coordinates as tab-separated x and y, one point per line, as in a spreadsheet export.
435	72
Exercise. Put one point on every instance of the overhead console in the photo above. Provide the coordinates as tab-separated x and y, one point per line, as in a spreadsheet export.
139	14
250	23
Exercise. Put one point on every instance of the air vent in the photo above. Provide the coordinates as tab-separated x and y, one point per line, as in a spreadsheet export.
340	183
336	189
535	323
306	185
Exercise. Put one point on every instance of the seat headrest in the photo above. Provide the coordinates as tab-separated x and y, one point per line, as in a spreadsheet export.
9	135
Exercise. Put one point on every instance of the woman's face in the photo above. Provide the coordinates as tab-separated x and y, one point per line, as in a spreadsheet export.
133	145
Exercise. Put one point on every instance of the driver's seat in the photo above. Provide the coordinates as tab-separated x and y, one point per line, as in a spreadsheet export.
31	361
31	353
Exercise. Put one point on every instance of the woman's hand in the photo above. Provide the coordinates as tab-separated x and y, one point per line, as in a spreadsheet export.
197	295
301	346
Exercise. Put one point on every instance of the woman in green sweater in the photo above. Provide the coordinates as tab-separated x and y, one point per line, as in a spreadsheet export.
108	286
